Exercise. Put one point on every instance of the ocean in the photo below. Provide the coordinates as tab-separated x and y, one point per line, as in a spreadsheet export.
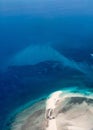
42	53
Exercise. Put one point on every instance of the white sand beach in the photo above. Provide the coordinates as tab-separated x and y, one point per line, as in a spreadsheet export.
50	107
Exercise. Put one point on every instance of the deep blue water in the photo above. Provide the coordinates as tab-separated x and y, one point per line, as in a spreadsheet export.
71	35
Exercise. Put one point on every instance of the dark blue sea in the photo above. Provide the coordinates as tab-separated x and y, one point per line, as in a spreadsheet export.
42	51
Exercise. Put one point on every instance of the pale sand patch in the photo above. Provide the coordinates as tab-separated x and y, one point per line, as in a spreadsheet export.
54	97
52	125
51	105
